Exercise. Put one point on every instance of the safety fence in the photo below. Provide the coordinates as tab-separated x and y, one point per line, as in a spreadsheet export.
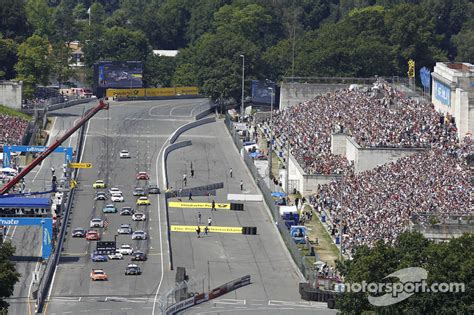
295	252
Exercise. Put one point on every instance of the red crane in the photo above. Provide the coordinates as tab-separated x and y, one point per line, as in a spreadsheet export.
51	148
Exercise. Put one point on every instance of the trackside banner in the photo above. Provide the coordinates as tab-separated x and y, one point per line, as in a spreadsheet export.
212	229
195	205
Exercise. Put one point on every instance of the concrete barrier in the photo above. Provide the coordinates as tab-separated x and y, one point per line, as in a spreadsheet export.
191	125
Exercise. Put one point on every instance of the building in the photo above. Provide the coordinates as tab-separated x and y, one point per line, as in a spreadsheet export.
453	93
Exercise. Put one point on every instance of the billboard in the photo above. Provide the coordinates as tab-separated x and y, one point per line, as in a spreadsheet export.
442	93
119	74
262	91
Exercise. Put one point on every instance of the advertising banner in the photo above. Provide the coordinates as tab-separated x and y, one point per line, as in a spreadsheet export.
442	93
200	205
80	165
153	92
212	229
124	93
47	230
187	90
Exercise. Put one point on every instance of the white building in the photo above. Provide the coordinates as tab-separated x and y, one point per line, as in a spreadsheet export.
453	93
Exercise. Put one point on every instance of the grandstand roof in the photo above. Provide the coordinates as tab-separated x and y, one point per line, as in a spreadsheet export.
23	202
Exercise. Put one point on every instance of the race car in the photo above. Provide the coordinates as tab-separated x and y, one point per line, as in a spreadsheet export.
124	229
92	235
96	223
139	235
124	154
142	176
133	269
116	198
139	256
96	257
115	190
99	184
127	211
116	255
139	192
100	196
98	274
153	189
79	232
143	201
125	249
109	209
139	216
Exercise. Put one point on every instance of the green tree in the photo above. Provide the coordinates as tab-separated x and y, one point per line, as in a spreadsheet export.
445	262
64	24
40	17
202	18
124	44
8	274
8	58
464	43
158	71
60	63
185	75
33	65
97	13
80	12
13	23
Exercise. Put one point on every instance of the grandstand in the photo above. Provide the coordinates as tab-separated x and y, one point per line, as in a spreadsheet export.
377	204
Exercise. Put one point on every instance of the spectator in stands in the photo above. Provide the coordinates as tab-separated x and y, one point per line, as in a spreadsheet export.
12	130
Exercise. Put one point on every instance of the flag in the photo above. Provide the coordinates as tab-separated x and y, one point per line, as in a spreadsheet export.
89	11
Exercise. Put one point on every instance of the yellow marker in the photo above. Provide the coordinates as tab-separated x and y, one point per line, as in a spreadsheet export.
202	205
212	229
80	165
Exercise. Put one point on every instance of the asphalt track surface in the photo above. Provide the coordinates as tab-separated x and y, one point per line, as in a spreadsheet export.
142	128
27	240
217	258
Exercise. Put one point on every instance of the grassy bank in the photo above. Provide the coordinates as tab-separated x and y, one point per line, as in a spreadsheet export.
4	110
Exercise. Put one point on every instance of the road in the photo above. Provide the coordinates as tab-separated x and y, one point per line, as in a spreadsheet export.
142	128
27	240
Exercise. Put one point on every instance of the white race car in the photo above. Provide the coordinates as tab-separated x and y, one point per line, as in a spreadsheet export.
125	249
116	255
124	154
117	198
139	216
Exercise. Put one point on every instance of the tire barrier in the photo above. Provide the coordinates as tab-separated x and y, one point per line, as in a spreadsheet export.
237	206
308	293
249	230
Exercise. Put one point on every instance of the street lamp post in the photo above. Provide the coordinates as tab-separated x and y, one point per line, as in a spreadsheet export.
243	86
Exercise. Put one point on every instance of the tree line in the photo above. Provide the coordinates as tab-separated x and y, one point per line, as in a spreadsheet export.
278	38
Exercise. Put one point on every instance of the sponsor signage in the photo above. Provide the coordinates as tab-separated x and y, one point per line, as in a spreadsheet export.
47	229
80	165
194	205
212	229
106	247
425	77
180	306
152	92
442	93
7	151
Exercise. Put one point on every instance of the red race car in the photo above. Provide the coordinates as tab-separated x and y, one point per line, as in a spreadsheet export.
92	235
143	176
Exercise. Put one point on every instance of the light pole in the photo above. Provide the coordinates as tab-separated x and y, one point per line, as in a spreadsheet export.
243	78
270	151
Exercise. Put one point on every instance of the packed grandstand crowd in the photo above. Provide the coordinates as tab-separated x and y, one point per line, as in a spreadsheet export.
379	117
378	204
12	130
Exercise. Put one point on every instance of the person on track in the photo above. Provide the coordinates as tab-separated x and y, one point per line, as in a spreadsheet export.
209	221
198	231
213	205
230	172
